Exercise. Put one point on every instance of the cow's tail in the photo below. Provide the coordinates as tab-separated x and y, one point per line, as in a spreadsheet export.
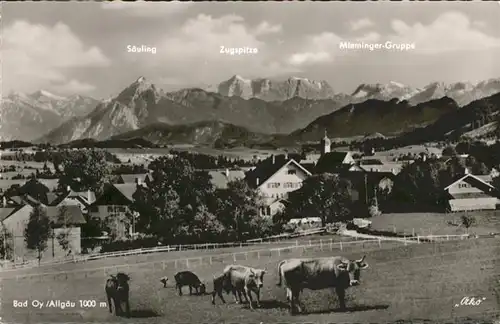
279	273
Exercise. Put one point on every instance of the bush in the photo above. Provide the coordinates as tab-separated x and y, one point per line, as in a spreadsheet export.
125	245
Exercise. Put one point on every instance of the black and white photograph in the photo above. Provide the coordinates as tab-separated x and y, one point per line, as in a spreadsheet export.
258	162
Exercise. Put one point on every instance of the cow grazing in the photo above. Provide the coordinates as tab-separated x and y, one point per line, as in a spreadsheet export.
117	289
187	278
221	283
164	280
244	280
317	274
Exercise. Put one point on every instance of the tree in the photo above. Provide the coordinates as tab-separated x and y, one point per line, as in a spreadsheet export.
63	235
84	170
6	251
37	231
449	151
239	210
468	221
326	196
420	184
168	207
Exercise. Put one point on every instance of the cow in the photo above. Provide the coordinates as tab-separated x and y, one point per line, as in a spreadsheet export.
164	280
187	278
244	280
221	283
319	273
117	289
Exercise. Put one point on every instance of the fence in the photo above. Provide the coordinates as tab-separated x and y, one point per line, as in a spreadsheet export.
169	248
230	257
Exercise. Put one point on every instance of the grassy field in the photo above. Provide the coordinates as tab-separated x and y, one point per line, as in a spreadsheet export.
419	282
437	223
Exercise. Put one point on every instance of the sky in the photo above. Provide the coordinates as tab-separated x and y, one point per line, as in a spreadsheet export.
81	47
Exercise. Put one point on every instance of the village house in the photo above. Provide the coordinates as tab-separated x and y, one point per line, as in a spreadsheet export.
471	192
82	199
15	219
275	177
221	178
113	206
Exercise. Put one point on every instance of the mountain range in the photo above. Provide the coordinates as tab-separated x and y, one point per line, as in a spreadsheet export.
27	116
295	106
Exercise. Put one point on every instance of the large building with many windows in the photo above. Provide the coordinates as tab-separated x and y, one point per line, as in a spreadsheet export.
275	177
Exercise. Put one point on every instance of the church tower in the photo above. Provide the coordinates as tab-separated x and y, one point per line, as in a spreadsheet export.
325	144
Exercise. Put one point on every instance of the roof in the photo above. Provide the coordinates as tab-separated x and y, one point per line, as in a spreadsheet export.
84	195
6	212
127	190
330	160
220	178
469	176
270	166
132	178
382	168
468	195
74	214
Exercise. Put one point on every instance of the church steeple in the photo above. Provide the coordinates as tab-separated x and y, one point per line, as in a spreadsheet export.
325	144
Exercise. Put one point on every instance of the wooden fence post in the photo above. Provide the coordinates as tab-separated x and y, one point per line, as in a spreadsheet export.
296	242
258	254
234	257
211	260
404	238
246	255
187	263
379	242
340	245
163	265
418	239
321	244
279	252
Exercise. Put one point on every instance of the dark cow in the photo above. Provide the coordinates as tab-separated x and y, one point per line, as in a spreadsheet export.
187	278
317	274
244	280
164	280
221	283
117	289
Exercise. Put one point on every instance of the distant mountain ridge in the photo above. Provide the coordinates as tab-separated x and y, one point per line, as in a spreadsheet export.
26	116
273	90
142	104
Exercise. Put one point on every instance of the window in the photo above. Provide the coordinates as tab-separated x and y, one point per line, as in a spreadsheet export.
292	171
273	185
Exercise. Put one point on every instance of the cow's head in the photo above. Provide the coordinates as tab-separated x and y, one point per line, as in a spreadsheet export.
164	280
202	287
121	280
353	268
256	276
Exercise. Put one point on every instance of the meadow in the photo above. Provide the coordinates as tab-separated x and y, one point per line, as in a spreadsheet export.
486	222
413	283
